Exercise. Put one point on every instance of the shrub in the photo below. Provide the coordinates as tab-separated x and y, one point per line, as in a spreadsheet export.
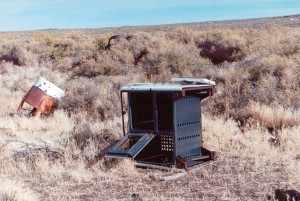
218	54
20	56
95	98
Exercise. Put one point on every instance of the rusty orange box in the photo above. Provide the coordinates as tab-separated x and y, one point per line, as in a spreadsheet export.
38	99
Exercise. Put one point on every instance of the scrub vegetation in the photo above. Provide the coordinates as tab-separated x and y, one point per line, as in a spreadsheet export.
252	122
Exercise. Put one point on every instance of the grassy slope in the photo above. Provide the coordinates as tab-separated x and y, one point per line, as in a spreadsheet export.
257	101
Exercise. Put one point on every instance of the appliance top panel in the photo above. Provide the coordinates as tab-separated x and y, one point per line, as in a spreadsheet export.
179	84
164	87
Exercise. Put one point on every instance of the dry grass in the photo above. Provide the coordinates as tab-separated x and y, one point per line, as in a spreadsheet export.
274	116
57	158
11	190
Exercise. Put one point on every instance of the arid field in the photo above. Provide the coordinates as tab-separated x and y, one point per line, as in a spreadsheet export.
252	122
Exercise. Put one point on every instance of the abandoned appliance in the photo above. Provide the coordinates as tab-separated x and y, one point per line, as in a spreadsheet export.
43	96
164	124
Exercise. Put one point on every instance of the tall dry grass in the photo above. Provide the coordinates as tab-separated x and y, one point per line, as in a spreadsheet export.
11	190
274	116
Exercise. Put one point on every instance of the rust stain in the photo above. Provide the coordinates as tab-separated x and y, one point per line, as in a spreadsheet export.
41	102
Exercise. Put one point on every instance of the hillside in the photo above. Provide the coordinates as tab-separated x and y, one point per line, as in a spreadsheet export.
252	122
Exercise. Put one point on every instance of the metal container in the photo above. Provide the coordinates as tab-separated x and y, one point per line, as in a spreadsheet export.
164	123
43	96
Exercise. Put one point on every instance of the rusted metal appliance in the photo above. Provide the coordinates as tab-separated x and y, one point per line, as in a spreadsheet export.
43	96
164	124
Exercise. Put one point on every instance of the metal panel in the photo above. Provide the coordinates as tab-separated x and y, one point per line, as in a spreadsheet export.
39	100
187	121
35	97
118	150
146	138
49	88
166	87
